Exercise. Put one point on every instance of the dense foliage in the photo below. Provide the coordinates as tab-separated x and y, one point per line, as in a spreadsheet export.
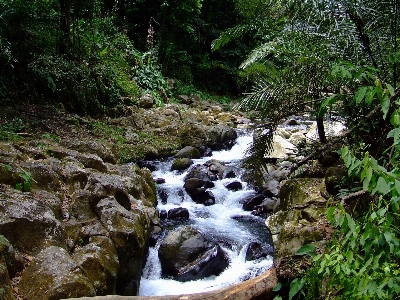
338	58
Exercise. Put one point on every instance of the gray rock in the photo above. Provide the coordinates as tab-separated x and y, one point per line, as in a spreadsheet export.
188	152
54	275
29	224
129	230
99	262
146	101
186	254
181	164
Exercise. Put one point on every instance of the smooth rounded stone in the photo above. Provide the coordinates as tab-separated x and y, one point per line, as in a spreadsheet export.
188	152
147	164
159	180
234	186
178	213
200	172
163	214
255	251
292	122
229	173
193	183
185	254
296	138
54	275
181	164
155	235
202	196
251	203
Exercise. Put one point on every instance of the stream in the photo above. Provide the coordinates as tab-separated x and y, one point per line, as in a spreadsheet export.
225	222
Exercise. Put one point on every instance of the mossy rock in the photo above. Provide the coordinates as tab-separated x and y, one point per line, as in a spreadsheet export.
334	179
299	192
181	164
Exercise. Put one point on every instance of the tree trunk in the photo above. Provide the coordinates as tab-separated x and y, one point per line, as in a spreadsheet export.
321	130
65	38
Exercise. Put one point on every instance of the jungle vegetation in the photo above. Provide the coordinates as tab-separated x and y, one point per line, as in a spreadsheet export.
287	57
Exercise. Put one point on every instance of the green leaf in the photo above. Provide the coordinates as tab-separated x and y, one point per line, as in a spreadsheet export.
295	286
306	249
385	103
360	94
277	287
382	187
351	223
367	179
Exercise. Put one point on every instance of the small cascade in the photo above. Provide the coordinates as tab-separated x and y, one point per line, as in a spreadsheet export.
225	223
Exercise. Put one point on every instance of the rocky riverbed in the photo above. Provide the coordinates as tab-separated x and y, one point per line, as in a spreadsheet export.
75	218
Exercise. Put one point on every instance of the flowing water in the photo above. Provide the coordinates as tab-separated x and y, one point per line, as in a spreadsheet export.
224	222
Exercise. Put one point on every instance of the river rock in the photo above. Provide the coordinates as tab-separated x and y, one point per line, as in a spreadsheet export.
54	275
6	292
221	137
234	186
188	152
200	172
178	213
251	203
129	230
28	223
181	164
202	196
298	217
185	254
193	183
99	262
255	251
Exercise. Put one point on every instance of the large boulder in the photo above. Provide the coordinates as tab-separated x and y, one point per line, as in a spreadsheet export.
185	254
28	223
6	292
188	152
298	217
99	262
129	230
54	275
181	164
221	137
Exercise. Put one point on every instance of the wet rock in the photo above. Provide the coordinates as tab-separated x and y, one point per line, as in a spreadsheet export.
181	164
193	183
188	152
147	164
292	122
229	172
159	180
221	137
99	262
186	254
202	196
200	172
155	235
255	251
163	195
192	134
234	186
251	203
162	214
54	275
178	213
